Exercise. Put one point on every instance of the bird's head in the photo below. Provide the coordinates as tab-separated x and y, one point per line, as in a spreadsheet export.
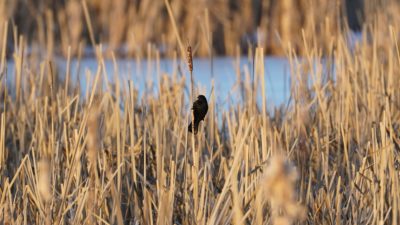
202	98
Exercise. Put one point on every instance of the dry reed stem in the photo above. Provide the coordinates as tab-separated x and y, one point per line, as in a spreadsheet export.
3	50
44	187
174	26
89	25
93	146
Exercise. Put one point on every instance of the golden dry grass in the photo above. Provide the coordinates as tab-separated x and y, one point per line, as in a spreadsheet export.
330	157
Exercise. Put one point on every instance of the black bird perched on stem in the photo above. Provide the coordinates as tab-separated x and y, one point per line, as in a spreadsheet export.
200	107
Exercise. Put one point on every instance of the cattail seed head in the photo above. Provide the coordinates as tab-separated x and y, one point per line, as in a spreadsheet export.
189	58
279	189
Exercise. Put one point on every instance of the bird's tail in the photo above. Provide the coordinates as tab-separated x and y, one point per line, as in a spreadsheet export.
196	126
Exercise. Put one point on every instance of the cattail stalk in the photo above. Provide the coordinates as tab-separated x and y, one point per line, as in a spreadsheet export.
195	153
190	66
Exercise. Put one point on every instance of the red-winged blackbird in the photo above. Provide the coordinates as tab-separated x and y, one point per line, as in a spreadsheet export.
200	107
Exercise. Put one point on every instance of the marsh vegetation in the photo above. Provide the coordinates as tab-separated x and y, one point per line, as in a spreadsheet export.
109	153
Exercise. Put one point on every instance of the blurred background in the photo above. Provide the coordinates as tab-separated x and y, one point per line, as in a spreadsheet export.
230	26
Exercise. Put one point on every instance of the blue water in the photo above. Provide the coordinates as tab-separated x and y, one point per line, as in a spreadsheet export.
225	71
145	75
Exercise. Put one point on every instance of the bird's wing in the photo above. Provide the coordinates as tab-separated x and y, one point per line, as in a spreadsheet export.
200	109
